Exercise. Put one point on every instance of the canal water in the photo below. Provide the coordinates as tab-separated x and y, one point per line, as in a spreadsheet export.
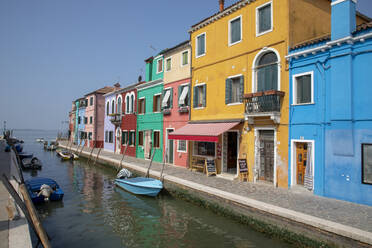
94	213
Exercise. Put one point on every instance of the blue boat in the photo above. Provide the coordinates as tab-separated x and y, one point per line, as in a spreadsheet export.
140	185
34	186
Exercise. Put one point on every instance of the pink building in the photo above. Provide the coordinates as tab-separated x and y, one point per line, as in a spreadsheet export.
95	114
176	101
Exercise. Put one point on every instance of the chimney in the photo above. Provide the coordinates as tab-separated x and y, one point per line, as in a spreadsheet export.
222	5
117	86
343	18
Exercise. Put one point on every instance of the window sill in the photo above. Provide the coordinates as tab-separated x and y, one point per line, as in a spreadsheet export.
264	32
182	151
197	108
236	42
234	104
198	56
301	104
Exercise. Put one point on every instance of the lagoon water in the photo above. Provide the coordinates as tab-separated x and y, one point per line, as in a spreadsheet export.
94	213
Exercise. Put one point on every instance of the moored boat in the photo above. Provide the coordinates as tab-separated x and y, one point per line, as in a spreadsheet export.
44	189
31	163
139	185
23	155
66	155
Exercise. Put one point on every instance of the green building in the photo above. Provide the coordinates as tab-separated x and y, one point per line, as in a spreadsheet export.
149	113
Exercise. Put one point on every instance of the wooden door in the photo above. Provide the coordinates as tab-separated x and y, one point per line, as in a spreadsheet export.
148	143
301	161
266	151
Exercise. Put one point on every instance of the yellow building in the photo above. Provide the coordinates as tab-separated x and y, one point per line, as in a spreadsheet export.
240	84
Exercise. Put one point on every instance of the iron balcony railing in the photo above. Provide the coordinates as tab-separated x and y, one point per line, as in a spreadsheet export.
263	102
115	119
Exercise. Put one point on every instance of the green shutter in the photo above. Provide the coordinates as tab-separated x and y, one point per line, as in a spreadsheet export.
179	95
204	95
171	98
241	89
195	100
228	91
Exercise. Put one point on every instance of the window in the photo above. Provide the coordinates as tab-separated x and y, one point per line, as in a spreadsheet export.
119	105
91	101
111	137
106	136
183	95
367	163
185	58
199	96
303	88
182	147
132	138
234	90
204	148
140	138
127	104
85	120
167	99
132	103
91	120
124	135
156	139
156	103
264	19
267	72
159	67
90	136
107	108
79	119
141	106
200	45
168	64
113	107
235	30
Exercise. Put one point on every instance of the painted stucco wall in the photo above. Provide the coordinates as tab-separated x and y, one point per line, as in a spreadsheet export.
150	120
176	120
151	69
76	134
108	126
178	71
96	111
129	122
81	126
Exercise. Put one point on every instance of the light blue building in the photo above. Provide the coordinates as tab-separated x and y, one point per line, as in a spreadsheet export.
81	121
330	142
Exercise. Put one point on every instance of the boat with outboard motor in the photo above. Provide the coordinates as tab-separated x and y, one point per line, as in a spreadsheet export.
44	189
31	163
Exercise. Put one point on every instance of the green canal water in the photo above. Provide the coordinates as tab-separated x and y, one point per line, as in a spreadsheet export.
94	213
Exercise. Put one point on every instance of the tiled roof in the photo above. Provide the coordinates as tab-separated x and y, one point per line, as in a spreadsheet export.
326	37
103	90
177	46
364	26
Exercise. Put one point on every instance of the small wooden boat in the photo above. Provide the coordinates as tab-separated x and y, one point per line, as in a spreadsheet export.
138	185
23	155
66	155
36	188
40	140
31	163
52	146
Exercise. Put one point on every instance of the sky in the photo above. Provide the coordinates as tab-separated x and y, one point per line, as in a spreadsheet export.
55	51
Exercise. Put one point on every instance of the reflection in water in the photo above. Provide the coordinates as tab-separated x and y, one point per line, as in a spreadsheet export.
94	213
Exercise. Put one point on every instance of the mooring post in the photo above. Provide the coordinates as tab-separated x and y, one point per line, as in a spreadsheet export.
99	151
28	209
77	149
122	158
82	147
148	169
90	155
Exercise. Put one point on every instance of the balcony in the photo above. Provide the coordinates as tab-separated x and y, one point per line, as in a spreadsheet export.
166	111
183	109
115	119
261	104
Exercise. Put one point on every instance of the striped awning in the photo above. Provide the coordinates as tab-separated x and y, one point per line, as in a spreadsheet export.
207	132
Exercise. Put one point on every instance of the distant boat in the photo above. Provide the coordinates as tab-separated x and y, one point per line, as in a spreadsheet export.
40	140
37	190
66	155
139	185
31	163
52	146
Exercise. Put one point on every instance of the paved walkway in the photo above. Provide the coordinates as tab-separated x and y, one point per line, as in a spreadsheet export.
340	217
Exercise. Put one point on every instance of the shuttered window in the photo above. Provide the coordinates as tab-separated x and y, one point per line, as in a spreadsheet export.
303	91
234	90
159	67
367	163
141	106
200	45
140	138
167	99
264	19
185	58
156	103
156	139
168	64
124	139
199	96
235	31
183	95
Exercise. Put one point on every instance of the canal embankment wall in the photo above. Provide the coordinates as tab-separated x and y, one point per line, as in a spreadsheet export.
334	223
14	228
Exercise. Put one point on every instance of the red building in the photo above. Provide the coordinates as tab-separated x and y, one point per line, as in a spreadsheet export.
129	119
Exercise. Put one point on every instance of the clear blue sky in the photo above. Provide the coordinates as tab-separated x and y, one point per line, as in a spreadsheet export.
54	51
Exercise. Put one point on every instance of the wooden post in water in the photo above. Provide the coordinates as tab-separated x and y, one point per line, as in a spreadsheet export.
29	211
90	155
121	161
99	151
82	147
77	149
148	169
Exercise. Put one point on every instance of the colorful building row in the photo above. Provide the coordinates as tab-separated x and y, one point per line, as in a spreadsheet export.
272	82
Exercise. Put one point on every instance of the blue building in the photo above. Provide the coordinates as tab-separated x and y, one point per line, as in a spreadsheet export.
331	110
81	121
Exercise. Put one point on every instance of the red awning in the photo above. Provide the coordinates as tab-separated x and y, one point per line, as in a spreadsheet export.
208	132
